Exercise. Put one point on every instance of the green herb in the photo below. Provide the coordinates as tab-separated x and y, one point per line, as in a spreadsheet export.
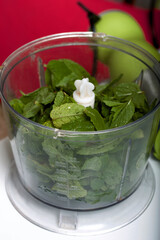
89	167
157	146
66	113
17	105
62	74
95	118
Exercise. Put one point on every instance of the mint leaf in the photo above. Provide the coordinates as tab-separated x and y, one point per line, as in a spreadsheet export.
157	146
97	183
62	98
48	123
102	88
45	96
93	163
48	79
62	72
79	71
72	189
140	101
113	103
100	148
80	124
112	174
17	105
44	116
94	196
34	101
26	98
31	109
59	98
95	118
58	70
125	89
122	114
76	190
66	113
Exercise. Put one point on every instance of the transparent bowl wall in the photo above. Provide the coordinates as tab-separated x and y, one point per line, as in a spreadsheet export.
80	170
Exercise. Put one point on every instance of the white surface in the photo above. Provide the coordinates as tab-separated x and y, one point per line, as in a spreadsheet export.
13	226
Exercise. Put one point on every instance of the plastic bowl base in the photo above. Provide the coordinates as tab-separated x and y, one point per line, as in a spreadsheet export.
80	222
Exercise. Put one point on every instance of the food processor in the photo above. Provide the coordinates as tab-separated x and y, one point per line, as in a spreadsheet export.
93	184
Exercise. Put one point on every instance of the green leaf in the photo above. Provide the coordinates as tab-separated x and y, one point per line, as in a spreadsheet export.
100	148
59	71
48	79
80	124
122	114
157	146
42	95
115	81
59	98
62	98
95	118
105	111
112	103
17	105
72	189
126	89
26	98
112	174
31	109
44	117
94	196
64	71
48	123
47	97
75	190
101	88
97	183
92	164
79	71
66	113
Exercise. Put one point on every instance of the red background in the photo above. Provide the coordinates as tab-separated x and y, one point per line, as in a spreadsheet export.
23	21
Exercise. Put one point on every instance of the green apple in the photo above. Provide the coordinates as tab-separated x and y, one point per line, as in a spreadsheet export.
121	63
148	47
118	24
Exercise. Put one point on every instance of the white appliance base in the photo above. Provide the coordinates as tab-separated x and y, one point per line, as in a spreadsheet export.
82	222
14	226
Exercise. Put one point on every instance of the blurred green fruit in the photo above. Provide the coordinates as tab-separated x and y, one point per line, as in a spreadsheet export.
121	63
148	47
118	24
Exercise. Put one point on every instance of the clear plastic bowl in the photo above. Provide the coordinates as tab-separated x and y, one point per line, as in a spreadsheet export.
80	170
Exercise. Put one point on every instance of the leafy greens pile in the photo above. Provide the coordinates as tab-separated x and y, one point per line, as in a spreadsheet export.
89	168
53	105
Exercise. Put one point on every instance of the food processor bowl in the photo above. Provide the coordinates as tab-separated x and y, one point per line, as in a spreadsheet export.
80	170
